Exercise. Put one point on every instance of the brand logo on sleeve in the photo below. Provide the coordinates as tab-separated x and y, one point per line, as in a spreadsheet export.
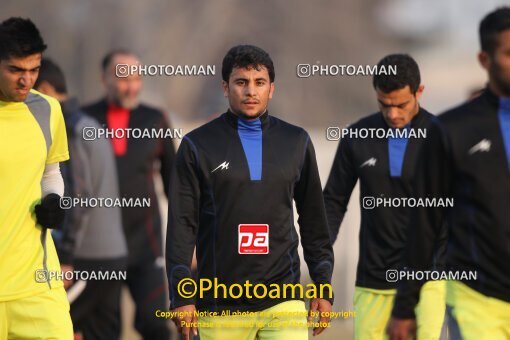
483	146
222	166
253	239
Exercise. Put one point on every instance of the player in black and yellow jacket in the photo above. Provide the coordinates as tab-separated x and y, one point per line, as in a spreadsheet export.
385	166
467	157
239	175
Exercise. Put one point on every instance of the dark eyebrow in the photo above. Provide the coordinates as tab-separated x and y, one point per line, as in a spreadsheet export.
16	68
240	78
403	104
383	104
246	79
395	105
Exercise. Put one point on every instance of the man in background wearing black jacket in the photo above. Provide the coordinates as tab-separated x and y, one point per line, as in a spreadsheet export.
467	157
386	168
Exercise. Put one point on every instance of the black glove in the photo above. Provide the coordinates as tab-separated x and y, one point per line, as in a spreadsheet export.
49	214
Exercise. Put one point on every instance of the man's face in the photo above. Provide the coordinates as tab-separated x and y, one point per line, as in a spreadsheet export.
499	64
248	91
124	92
17	77
400	106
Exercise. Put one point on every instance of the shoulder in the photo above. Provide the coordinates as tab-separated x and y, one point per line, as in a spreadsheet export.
42	101
95	106
465	110
288	130
150	111
205	131
86	120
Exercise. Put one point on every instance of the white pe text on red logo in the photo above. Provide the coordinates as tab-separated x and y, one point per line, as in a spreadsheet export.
253	239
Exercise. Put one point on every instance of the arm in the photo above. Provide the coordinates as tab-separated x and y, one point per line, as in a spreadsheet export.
313	227
183	219
338	190
427	224
64	239
183	222
52	181
76	173
48	213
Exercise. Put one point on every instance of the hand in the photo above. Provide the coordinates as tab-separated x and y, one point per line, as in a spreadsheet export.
66	268
401	329
188	316
323	307
48	213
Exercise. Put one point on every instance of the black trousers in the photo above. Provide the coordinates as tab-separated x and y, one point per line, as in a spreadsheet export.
96	312
148	287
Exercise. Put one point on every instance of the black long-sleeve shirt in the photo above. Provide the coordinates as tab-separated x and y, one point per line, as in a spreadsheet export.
383	230
230	172
467	157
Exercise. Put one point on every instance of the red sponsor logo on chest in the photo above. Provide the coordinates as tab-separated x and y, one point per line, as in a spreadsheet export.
253	239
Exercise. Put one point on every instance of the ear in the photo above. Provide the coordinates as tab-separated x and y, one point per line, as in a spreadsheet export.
224	84
485	60
271	91
419	92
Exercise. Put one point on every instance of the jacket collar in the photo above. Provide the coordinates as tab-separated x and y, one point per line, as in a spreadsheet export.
231	118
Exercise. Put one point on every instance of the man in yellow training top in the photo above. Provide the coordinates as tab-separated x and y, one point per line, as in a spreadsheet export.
33	303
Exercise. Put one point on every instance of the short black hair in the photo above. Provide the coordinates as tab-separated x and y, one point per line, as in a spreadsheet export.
408	73
19	38
246	56
491	26
53	74
107	59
